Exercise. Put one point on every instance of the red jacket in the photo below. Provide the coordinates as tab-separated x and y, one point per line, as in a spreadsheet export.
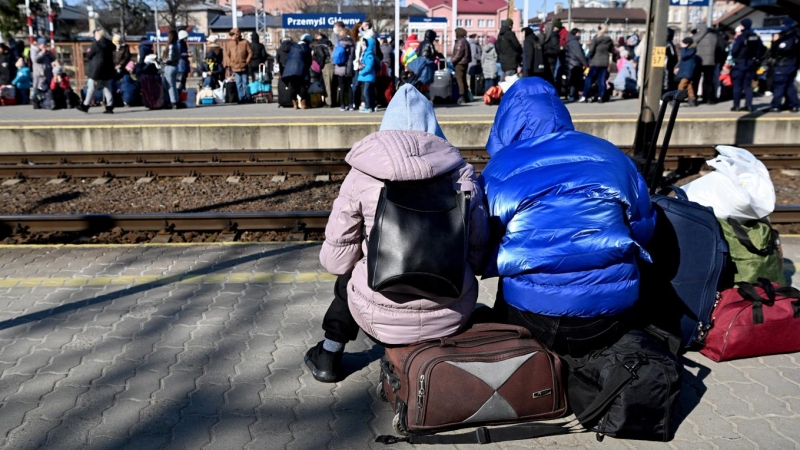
63	85
562	37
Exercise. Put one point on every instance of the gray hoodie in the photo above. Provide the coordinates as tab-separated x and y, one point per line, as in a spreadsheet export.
489	62
475	50
706	41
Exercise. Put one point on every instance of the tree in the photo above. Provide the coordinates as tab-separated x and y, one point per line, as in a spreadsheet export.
123	16
11	20
175	12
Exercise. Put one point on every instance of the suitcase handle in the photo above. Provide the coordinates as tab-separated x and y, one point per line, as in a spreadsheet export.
523	333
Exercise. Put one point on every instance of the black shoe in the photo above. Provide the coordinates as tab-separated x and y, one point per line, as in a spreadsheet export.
83	108
180	106
796	109
749	109
324	365
734	109
109	110
775	110
691	103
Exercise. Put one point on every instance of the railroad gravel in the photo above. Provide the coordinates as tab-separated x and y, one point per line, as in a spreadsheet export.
207	194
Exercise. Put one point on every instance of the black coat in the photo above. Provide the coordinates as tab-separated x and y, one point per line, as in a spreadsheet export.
509	50
283	54
535	64
259	52
101	60
5	72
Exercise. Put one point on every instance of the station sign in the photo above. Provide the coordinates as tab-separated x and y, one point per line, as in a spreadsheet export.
689	2
195	38
757	3
422	19
321	20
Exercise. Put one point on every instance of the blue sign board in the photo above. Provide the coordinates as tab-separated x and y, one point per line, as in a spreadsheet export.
419	19
754	3
193	37
321	20
688	2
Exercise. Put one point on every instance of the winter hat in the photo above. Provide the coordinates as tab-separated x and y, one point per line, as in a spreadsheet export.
460	33
747	23
41	41
410	110
509	23
306	37
58	70
688	41
491	39
557	23
413	37
182	35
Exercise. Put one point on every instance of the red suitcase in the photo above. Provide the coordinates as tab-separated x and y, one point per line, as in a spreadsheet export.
754	321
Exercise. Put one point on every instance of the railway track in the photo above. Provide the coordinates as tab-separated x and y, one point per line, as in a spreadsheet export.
298	224
271	162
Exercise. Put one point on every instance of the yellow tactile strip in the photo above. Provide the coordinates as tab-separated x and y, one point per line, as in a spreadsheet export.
215	278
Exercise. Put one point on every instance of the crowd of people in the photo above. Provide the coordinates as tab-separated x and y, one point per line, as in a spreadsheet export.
352	69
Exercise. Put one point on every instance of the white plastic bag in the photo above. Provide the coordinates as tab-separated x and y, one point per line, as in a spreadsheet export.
740	188
509	81
219	95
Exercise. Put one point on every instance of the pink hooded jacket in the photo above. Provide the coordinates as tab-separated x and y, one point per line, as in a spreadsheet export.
400	153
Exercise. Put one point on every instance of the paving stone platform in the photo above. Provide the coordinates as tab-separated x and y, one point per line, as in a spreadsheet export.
201	347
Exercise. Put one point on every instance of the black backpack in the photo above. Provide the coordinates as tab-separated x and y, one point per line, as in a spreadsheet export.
419	241
754	49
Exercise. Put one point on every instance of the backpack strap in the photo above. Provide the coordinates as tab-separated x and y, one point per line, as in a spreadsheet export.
748	292
744	239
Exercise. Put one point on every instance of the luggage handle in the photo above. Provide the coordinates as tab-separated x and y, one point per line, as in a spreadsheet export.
786	291
749	293
523	333
674	98
744	239
680	193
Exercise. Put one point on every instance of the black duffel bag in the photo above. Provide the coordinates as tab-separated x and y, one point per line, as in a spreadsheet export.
629	390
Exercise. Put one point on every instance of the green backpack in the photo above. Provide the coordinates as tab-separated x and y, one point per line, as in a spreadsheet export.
755	250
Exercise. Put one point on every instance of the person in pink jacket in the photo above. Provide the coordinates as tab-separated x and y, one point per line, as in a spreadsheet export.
409	146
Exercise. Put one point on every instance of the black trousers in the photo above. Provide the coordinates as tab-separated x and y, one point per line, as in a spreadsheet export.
338	322
709	88
345	90
573	336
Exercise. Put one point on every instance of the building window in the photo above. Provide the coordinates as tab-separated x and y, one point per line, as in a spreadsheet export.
459	23
481	24
469	22
490	23
676	15
267	38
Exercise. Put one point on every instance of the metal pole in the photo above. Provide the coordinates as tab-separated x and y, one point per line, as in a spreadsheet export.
30	20
455	20
710	19
569	16
525	13
396	71
50	26
158	32
235	14
654	60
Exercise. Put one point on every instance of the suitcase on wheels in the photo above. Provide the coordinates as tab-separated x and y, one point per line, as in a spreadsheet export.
679	289
284	95
490	374
442	87
477	85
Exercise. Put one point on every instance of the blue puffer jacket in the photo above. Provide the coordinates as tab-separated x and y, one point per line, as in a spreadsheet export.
573	210
368	72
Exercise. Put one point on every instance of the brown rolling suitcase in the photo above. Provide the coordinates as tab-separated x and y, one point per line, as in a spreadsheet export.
490	374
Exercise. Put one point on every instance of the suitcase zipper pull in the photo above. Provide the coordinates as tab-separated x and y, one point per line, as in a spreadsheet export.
421	392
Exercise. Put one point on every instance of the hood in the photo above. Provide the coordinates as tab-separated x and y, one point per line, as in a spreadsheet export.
531	108
370	45
702	29
430	35
286	46
571	37
488	48
254	38
397	155
670	34
410	110
747	24
503	30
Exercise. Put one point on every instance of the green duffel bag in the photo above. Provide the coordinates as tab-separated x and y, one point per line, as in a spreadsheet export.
755	250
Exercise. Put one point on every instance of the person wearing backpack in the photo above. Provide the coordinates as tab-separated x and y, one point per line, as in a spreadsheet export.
410	147
785	52
296	72
534	63
747	52
322	55
343	56
259	57
600	51
572	215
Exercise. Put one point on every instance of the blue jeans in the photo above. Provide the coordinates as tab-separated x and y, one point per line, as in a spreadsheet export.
598	74
171	83
241	85
367	94
489	82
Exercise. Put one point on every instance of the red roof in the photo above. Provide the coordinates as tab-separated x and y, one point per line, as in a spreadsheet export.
470	6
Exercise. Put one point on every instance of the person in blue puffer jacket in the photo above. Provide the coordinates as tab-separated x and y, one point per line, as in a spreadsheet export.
571	216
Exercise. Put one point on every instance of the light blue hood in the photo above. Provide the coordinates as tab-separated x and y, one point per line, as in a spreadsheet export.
410	110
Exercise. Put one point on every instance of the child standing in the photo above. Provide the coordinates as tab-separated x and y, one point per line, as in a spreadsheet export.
686	68
23	82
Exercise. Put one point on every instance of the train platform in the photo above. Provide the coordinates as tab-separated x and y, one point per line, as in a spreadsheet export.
201	346
265	126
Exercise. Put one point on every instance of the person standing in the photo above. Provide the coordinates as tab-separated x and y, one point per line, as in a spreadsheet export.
535	64
122	53
101	72
22	82
670	63
747	52
183	65
343	56
296	71
475	65
6	64
337	33
509	50
576	62
259	56
42	61
387	51
322	54
687	68
460	60
367	74
489	63
171	55
552	49
706	53
600	51
237	57
785	53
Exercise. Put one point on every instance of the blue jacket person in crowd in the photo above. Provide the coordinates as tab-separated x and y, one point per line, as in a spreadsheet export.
747	52
786	53
570	215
